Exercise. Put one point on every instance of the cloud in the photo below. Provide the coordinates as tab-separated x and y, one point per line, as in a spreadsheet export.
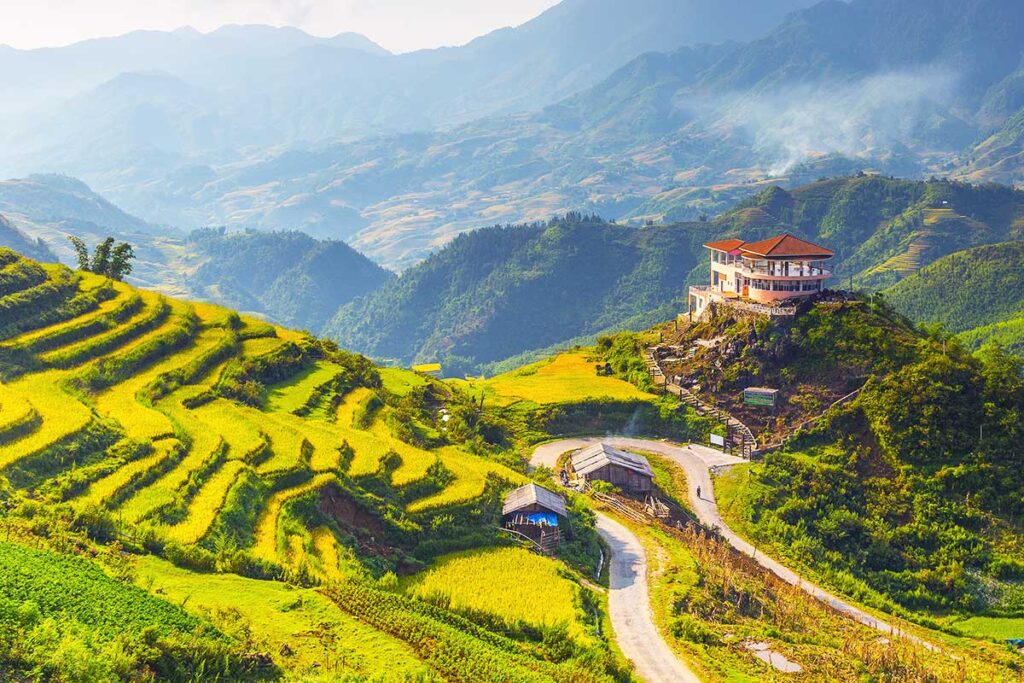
859	118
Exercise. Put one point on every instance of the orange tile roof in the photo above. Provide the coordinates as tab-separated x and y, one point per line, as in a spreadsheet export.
725	245
786	245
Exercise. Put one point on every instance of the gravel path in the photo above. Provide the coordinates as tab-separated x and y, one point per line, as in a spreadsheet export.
697	460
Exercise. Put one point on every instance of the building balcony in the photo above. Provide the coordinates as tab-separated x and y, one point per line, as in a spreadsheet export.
793	273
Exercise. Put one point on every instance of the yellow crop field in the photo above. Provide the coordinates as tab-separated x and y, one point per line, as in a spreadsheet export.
153	308
261	346
61	414
327	550
124	293
205	445
235	424
207	503
369	450
415	461
266	529
494	581
293	394
399	381
565	378
470	478
14	409
141	422
102	490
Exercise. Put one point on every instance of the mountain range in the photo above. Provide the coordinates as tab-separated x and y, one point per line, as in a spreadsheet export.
514	291
519	126
906	88
286	276
172	126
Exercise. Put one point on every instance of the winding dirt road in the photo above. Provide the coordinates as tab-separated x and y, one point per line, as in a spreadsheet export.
629	604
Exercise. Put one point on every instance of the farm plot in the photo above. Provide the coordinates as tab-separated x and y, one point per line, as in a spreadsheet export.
266	529
154	312
289	396
564	378
102	317
491	581
369	450
140	421
60	414
470	474
102	491
206	504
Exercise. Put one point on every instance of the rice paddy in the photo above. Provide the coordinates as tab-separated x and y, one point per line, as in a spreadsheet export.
492	581
291	395
147	375
565	378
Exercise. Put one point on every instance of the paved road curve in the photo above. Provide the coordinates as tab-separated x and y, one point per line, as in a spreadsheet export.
629	599
696	461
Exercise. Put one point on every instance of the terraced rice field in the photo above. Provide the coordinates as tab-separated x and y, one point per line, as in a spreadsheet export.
293	394
266	529
206	504
564	378
490	581
183	445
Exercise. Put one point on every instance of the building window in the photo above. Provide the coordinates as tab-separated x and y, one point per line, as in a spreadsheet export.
812	286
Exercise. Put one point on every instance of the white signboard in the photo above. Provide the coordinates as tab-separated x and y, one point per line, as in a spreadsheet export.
717	440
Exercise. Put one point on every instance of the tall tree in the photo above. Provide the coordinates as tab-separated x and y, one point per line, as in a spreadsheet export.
108	259
81	251
101	256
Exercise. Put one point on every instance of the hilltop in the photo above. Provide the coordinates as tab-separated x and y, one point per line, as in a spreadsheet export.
499	292
906	495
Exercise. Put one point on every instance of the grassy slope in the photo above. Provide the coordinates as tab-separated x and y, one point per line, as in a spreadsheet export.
213	483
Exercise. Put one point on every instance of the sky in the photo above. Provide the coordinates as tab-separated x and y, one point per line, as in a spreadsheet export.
398	25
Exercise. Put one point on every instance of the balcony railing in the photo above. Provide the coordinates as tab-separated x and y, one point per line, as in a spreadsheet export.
795	271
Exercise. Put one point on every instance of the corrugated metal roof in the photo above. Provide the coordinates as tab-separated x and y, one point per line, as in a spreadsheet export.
530	494
597	456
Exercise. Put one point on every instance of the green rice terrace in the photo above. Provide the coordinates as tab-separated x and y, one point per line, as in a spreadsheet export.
188	494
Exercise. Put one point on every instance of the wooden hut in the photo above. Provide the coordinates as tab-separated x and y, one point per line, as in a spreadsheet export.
535	512
601	462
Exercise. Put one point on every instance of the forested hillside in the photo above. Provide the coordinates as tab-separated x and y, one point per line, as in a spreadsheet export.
913	503
883	229
289	276
498	292
968	289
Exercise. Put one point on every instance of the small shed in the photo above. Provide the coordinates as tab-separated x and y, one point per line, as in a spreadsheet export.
601	462
535	512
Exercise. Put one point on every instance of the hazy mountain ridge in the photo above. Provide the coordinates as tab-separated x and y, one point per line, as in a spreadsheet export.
289	276
905	88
